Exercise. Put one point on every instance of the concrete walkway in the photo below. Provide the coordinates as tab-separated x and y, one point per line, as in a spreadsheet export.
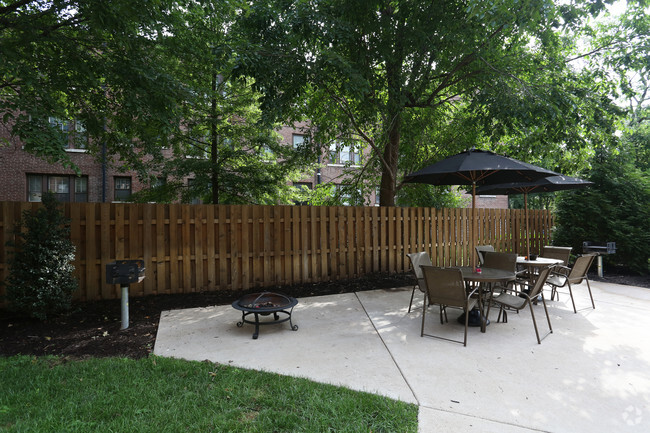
591	375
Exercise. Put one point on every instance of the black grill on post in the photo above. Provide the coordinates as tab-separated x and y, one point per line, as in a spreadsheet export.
125	272
599	250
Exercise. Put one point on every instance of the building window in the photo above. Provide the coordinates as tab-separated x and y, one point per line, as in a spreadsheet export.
60	185
81	189
122	188
343	154
73	131
299	140
34	188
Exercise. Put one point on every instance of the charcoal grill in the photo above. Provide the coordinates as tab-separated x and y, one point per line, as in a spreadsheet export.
125	272
265	304
599	250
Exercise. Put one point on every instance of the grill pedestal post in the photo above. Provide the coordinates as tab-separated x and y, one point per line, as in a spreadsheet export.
600	266
125	306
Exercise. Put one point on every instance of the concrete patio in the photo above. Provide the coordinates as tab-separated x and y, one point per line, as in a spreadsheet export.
591	375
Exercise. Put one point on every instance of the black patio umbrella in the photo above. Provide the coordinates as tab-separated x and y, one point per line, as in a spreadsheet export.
477	167
546	184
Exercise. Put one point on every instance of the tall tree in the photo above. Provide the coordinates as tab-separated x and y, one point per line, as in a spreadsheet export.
363	68
230	155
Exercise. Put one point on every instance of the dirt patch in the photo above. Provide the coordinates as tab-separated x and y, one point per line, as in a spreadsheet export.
92	329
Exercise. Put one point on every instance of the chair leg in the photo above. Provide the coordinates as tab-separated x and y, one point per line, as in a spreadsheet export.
590	295
568	283
443	315
424	312
412	294
505	315
532	314
466	325
548	318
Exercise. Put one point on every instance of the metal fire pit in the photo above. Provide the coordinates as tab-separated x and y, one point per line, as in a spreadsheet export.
265	304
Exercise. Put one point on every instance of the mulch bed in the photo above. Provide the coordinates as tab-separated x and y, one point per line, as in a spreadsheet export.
92	329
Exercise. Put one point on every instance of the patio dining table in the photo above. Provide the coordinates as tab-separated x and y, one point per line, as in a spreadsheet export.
486	278
533	266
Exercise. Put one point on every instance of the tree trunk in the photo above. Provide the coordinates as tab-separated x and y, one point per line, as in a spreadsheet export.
214	143
395	106
388	183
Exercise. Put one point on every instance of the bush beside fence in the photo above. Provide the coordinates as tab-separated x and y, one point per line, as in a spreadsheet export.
190	248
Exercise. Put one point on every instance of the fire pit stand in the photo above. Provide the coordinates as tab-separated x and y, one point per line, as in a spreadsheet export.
264	304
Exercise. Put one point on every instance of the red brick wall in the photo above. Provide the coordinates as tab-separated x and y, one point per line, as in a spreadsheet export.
16	164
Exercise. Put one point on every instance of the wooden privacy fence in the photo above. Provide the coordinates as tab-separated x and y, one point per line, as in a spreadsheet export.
190	248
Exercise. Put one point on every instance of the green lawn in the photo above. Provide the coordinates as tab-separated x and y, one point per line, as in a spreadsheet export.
53	394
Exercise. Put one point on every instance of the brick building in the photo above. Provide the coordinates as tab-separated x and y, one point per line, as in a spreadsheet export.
24	177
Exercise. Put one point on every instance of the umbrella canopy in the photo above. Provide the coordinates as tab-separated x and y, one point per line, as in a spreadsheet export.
547	184
477	167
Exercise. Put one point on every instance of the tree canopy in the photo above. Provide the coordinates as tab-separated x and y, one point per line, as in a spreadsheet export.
411	81
485	74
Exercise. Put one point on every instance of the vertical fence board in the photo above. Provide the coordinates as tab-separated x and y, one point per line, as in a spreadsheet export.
210	247
186	264
323	244
174	271
359	242
374	229
278	274
398	245
342	270
333	243
199	279
247	222
304	244
93	277
108	291
287	255
267	247
295	242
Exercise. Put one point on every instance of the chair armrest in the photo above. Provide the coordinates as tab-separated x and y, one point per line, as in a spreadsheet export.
473	292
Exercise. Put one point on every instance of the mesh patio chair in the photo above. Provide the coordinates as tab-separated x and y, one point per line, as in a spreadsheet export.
519	301
575	275
503	261
445	286
417	260
481	250
559	253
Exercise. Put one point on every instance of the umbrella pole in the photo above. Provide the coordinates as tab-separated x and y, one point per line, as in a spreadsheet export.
527	236
473	243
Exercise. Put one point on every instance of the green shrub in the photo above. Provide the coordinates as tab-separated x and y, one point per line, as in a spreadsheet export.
40	281
615	209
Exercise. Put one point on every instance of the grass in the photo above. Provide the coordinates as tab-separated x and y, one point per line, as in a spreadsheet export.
53	394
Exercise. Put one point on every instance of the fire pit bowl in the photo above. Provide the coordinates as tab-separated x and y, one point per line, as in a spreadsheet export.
263	304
